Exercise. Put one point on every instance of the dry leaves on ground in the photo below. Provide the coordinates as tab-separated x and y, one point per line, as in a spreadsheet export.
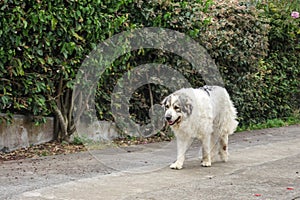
46	149
57	148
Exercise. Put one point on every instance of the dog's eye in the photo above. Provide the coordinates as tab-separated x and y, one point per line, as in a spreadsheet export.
176	107
167	106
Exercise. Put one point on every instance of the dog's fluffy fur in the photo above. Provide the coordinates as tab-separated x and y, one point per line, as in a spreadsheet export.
205	113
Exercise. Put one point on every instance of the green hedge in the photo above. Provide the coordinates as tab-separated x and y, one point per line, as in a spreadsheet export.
275	82
42	45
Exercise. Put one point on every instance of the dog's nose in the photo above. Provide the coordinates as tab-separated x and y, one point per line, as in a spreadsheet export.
168	117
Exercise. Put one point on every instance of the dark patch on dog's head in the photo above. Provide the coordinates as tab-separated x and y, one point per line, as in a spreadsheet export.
186	104
166	102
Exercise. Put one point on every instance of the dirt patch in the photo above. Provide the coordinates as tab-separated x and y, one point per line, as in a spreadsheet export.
63	148
46	149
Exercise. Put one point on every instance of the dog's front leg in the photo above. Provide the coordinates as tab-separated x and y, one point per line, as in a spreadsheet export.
206	149
182	146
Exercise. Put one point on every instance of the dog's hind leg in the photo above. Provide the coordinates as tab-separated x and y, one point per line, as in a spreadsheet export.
223	150
214	145
206	151
182	145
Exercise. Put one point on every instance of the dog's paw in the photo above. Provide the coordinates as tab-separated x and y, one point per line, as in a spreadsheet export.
176	165
206	163
224	156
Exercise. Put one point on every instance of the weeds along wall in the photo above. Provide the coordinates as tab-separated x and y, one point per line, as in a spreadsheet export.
42	45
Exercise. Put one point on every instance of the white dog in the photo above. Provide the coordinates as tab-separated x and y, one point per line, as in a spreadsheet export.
207	114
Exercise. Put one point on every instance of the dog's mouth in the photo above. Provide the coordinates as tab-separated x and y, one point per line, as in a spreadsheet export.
174	122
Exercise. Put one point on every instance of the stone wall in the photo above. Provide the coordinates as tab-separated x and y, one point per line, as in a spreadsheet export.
22	132
98	131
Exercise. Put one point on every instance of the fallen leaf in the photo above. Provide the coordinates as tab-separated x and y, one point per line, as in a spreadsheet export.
290	188
257	195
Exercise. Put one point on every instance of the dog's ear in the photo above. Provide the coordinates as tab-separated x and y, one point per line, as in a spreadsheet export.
186	104
188	108
164	102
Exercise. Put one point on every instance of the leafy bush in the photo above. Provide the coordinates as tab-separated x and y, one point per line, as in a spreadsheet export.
256	47
237	36
283	61
42	45
187	17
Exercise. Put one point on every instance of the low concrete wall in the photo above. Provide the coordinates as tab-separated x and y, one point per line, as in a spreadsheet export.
98	131
23	133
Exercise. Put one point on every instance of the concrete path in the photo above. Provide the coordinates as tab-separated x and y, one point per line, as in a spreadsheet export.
262	165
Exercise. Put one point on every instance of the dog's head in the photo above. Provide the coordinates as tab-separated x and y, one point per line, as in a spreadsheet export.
177	107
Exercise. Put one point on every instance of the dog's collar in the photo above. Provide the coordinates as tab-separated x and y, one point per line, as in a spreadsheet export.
207	89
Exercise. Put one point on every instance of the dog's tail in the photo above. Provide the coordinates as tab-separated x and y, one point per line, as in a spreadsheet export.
226	116
231	122
229	116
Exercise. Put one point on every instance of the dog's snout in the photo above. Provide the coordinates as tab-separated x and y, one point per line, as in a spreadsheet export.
168	117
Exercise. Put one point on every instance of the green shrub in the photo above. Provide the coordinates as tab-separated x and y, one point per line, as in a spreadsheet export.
284	56
237	36
42	45
187	17
234	34
257	50
277	76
